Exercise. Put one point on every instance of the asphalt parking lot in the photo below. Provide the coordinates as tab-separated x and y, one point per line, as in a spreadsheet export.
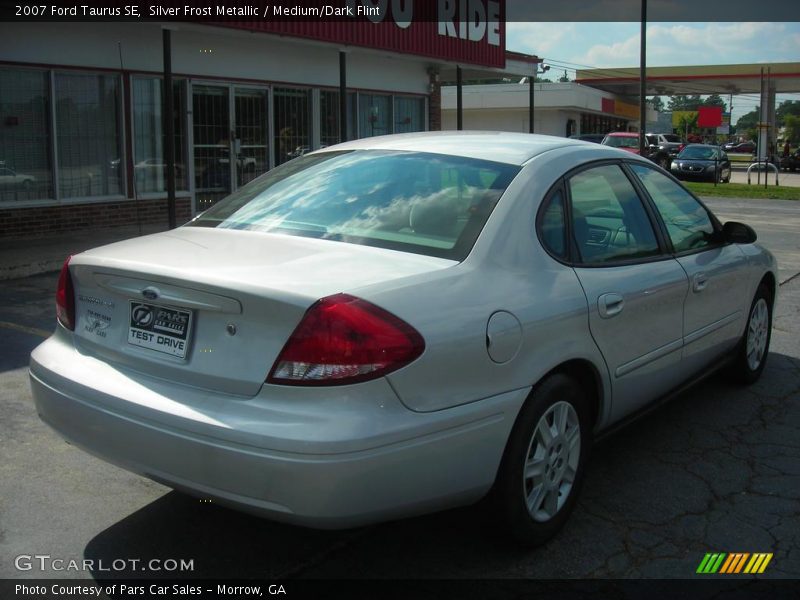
715	470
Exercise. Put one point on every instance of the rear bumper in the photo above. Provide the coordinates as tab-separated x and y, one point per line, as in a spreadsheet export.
353	457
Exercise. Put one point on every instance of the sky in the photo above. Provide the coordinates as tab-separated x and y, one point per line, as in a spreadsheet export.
604	45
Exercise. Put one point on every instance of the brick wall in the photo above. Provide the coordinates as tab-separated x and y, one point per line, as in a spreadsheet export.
50	220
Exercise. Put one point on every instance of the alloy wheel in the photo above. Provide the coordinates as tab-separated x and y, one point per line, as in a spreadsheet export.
551	462
757	330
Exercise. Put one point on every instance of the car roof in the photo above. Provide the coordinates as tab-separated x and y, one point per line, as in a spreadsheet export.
623	134
497	146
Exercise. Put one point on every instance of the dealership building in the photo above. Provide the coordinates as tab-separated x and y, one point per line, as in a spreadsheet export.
562	109
83	126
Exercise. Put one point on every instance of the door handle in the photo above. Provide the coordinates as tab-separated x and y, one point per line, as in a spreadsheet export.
610	305
699	282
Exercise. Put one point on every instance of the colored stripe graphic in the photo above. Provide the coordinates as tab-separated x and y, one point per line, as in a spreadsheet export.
711	562
758	563
734	563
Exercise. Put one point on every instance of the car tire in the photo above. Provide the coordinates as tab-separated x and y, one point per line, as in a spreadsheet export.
753	349
549	445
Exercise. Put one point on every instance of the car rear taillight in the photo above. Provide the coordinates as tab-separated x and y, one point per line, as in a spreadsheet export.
65	298
681	147
343	339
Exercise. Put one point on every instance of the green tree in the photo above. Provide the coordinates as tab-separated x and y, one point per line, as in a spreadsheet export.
687	124
715	100
564	78
749	120
683	102
787	108
792	131
657	102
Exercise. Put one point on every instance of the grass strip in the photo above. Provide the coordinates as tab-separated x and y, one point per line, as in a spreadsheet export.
743	190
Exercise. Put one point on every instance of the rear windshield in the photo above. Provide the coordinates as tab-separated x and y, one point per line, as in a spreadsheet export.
429	204
699	153
672	138
619	141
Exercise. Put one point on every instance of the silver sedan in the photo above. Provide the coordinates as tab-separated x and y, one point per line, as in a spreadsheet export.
402	324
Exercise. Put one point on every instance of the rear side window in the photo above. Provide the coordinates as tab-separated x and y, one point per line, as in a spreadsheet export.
552	225
688	223
609	222
429	204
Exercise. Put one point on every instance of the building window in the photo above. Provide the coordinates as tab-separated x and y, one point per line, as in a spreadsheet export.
374	115
88	143
292	112
150	165
25	167
329	117
408	114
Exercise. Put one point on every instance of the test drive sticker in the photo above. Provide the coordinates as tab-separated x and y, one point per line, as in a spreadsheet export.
160	328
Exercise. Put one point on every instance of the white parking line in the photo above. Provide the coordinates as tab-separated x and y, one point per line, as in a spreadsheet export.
24	329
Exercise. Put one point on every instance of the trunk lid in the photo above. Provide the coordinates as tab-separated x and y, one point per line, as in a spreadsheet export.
213	308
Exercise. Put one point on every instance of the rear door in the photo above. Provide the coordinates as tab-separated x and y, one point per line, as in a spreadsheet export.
716	303
634	289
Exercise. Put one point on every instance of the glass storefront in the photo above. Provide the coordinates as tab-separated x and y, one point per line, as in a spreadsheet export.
25	158
149	163
62	132
88	140
292	129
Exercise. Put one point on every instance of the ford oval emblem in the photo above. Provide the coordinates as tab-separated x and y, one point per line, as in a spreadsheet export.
150	293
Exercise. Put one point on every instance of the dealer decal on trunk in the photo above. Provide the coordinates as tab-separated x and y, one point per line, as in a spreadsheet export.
160	328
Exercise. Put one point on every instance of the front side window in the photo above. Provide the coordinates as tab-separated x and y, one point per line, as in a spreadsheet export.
609	222
688	223
412	201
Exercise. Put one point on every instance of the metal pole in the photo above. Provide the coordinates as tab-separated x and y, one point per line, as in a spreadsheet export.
169	128
642	79
342	97
459	102
531	98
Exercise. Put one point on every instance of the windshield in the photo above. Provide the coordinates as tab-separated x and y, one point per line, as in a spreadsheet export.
417	202
621	141
699	153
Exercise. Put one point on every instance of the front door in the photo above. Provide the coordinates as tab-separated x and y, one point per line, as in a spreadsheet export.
717	305
231	129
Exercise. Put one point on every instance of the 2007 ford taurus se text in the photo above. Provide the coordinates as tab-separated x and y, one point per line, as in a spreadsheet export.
401	324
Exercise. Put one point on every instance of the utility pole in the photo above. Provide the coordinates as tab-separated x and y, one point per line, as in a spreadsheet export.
643	79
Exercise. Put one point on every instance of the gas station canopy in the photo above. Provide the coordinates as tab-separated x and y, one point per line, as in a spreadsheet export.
704	79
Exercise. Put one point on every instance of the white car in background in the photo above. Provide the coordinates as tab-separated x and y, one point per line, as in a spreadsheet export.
9	178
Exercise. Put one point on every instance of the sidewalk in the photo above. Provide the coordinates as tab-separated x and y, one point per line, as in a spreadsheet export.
24	257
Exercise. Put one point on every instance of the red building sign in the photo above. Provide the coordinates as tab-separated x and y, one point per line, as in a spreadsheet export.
471	32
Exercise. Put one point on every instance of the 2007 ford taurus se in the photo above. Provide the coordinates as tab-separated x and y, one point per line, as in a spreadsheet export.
401	324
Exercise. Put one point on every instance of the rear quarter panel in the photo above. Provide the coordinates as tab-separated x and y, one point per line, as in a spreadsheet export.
507	270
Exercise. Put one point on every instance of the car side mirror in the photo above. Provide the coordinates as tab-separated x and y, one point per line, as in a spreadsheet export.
738	233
